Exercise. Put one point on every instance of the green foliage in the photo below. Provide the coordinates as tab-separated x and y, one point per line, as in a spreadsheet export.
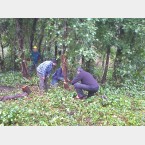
124	107
86	40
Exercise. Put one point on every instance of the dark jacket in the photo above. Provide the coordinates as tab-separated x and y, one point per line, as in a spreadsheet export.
35	56
85	78
58	73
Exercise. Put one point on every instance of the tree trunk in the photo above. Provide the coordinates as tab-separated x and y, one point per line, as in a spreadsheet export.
42	35
65	35
106	65
63	57
33	32
103	63
117	62
15	57
20	36
64	71
55	49
24	94
2	59
26	91
40	42
118	58
2	51
88	66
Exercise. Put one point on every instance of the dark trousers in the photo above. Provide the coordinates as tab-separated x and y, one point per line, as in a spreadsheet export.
43	83
80	87
55	81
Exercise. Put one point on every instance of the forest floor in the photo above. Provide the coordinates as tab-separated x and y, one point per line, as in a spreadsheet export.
57	107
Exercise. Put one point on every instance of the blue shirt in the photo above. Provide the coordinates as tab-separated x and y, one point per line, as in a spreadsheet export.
58	73
35	57
45	68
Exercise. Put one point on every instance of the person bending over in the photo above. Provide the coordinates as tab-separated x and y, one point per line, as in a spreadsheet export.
43	72
57	76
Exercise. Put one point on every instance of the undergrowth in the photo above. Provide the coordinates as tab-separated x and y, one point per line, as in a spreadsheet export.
57	107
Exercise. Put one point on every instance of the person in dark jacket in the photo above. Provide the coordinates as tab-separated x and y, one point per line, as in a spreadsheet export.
35	57
88	83
57	76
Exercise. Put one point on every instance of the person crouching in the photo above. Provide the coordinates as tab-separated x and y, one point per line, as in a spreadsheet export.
88	83
56	77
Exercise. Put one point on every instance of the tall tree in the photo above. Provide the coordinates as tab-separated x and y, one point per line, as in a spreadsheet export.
64	57
20	37
106	65
33	32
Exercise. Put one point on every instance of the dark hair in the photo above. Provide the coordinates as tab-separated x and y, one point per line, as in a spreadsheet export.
79	69
54	60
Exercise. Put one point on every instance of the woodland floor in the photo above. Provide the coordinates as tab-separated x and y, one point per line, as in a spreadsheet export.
57	107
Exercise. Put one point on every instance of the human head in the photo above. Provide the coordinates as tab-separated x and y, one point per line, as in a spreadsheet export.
54	62
79	70
35	49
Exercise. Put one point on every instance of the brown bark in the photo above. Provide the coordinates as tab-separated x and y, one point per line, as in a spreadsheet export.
42	35
64	71
55	49
106	66
117	62
65	35
24	94
64	58
26	91
2	51
2	59
20	37
118	58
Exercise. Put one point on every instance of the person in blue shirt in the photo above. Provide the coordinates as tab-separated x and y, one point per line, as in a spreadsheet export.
44	71
57	76
35	57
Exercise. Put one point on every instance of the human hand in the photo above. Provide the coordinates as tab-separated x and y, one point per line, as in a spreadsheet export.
65	82
43	78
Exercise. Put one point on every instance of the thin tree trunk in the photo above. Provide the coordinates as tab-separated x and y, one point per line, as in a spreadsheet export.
19	28
40	42
42	35
56	49
63	57
65	35
56	43
103	62
88	66
117	62
118	58
2	51
15	57
33	32
106	65
2	59
64	60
